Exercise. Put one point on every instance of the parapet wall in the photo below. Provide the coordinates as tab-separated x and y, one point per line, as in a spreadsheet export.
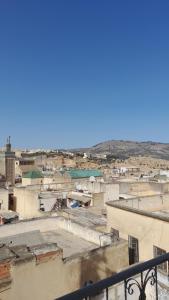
54	223
147	203
140	188
86	233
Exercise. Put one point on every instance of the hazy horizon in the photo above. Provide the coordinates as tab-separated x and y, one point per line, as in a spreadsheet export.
81	147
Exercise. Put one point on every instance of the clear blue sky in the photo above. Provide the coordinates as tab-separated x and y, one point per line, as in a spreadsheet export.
77	72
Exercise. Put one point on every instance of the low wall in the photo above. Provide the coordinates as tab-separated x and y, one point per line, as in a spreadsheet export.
53	223
147	203
86	233
135	188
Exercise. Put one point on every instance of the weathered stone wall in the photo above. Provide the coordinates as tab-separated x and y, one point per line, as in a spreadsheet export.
44	275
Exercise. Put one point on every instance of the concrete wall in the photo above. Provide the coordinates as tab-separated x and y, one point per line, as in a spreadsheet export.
86	233
2	164
4	199
149	231
53	186
110	190
57	178
148	203
30	181
48	277
98	200
27	203
165	187
136	188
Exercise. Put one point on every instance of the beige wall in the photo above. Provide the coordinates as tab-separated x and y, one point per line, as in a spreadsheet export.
140	188
21	169
4	199
27	203
87	233
30	181
56	277
148	203
2	164
110	190
98	200
57	178
149	231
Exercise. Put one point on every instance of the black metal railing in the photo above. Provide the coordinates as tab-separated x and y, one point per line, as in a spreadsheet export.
147	273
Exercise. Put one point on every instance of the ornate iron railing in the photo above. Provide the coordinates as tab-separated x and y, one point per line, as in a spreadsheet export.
135	278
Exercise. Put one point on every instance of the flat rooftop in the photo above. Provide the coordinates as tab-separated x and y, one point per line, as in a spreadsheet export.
70	243
46	230
90	217
27	238
155	206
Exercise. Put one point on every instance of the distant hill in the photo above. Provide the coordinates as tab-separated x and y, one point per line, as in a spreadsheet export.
125	149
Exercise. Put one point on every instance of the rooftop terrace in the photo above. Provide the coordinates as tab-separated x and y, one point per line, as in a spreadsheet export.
156	206
90	217
74	238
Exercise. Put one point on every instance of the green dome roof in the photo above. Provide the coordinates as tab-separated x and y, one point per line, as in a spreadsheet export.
82	173
33	175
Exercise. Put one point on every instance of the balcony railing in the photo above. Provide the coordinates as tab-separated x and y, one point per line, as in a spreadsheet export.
135	279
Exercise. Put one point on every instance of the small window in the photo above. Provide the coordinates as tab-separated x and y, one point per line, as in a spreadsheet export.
157	252
133	248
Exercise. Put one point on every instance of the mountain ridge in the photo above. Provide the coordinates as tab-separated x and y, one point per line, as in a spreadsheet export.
128	148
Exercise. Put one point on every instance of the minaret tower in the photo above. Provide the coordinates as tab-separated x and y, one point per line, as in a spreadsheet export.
8	144
9	163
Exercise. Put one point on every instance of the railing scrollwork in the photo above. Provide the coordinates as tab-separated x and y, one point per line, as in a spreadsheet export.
135	279
131	284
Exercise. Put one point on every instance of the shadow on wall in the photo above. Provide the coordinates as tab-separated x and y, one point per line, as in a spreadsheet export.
94	267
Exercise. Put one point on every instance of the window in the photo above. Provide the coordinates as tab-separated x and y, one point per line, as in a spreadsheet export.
133	248
157	252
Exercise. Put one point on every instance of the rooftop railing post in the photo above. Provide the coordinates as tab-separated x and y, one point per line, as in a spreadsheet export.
156	283
125	290
107	293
